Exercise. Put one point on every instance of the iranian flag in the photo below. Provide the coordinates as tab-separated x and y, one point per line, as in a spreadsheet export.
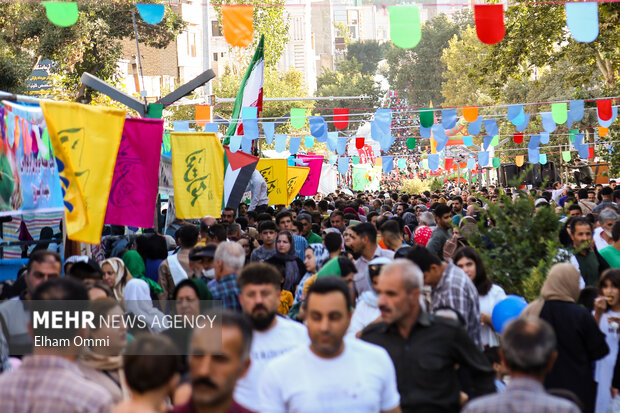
239	166
250	92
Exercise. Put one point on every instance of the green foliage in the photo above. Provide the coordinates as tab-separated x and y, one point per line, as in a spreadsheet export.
529	45
270	20
524	243
343	31
91	45
417	73
414	186
436	184
348	81
368	53
276	84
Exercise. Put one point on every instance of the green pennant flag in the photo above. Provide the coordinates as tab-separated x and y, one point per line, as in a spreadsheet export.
411	143
426	117
566	156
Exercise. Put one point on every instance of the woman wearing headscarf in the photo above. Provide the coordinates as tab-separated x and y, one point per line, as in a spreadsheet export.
104	364
316	256
135	264
115	275
290	266
580	342
138	302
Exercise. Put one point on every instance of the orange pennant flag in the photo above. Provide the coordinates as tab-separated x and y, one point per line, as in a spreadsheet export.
237	21
203	115
519	160
470	113
602	132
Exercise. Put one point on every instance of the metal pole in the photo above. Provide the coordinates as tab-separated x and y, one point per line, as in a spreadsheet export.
135	29
206	26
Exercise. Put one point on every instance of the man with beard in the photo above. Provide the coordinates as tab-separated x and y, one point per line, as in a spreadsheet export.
213	370
273	336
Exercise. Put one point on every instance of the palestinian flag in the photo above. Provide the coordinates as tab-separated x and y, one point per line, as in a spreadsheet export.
239	166
250	92
239	169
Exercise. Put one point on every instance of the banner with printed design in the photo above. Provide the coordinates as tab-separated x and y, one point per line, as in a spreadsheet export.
85	141
315	163
197	174
274	172
296	177
29	182
133	195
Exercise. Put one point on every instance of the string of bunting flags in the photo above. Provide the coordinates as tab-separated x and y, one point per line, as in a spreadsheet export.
405	24
442	127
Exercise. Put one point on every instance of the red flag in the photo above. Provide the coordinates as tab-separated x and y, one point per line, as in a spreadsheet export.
489	22
590	152
449	163
603	108
518	137
341	118
359	143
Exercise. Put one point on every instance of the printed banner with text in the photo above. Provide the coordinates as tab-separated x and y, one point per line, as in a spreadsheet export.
275	174
315	163
133	195
86	141
296	177
197	174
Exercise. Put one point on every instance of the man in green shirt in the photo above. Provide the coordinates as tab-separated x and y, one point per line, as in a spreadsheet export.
611	253
585	257
306	222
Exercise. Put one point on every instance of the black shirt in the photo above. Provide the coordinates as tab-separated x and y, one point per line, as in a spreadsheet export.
425	363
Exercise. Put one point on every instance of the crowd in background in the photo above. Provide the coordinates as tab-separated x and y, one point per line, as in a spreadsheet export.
364	303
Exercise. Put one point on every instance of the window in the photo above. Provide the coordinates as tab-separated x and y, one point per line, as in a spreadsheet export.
215	29
215	56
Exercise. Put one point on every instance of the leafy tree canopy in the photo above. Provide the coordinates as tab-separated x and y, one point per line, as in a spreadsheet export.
90	45
368	53
348	81
417	73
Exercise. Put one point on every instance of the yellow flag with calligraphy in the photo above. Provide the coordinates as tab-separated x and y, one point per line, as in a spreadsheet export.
85	140
296	177
197	174
274	171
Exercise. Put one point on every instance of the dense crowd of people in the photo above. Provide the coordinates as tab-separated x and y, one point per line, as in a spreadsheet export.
374	302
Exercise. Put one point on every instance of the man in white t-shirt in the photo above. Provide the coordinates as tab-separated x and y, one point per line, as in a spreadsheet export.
331	374
273	336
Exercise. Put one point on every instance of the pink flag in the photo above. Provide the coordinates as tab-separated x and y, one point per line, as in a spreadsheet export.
315	162
133	194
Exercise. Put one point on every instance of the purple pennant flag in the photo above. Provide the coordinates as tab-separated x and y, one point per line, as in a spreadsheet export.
133	194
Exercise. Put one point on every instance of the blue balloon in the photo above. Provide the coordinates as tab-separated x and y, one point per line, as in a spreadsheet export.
506	310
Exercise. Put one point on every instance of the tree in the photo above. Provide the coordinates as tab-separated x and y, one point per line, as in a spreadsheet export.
520	245
270	20
536	36
348	81
467	82
368	53
91	45
417	73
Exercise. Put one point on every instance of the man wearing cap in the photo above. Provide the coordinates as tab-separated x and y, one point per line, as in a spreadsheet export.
201	262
